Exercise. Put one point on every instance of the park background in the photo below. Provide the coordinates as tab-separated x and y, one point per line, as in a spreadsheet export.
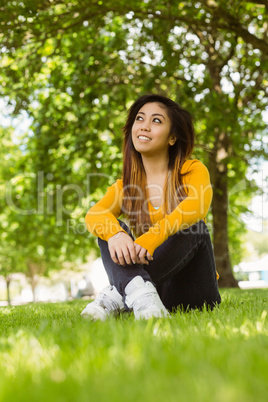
69	72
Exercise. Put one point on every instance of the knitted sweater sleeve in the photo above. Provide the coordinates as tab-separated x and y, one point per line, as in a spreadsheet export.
191	210
101	219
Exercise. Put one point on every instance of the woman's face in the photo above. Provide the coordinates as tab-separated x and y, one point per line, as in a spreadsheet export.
151	130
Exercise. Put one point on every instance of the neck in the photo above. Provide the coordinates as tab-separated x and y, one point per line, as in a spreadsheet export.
155	167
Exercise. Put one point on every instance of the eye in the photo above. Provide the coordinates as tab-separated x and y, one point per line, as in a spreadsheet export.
157	120
139	118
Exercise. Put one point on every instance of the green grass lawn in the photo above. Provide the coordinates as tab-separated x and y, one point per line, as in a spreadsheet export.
48	353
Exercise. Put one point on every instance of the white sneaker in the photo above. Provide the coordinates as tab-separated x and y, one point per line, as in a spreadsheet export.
108	302
143	298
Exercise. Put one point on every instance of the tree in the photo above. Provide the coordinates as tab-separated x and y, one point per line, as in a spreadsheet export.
10	259
76	66
222	72
33	238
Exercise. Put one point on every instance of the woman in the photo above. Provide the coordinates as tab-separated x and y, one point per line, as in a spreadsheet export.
165	197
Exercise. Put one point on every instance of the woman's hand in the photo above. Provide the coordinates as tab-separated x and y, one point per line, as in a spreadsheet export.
122	249
142	254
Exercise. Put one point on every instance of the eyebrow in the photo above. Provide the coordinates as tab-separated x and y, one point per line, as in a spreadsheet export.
154	114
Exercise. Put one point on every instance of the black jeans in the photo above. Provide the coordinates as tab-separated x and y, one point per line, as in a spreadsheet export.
183	269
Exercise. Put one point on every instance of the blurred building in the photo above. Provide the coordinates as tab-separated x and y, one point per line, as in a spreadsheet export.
253	273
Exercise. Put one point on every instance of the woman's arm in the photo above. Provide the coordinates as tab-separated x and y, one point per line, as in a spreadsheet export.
101	219
191	210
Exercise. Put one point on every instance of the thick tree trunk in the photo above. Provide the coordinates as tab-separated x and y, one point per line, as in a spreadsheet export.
218	171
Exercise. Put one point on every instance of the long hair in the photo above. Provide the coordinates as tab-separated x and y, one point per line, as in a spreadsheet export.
135	200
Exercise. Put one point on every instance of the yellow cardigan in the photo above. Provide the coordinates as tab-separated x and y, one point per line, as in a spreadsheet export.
101	219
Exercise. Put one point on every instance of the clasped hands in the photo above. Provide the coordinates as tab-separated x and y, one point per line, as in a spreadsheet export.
124	251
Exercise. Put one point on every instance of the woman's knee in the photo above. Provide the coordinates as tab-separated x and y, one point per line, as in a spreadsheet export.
198	228
125	227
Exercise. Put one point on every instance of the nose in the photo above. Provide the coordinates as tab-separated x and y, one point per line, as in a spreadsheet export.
146	126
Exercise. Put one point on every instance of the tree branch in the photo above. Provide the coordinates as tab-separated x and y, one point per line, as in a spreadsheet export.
222	19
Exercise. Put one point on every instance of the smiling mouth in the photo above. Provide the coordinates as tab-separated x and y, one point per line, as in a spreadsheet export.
143	137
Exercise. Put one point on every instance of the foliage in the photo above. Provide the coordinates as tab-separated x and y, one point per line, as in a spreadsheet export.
75	67
259	241
31	241
10	259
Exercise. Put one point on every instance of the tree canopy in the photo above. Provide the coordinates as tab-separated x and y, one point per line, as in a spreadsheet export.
76	66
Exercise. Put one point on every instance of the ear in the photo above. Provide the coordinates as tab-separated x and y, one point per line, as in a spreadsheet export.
172	140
